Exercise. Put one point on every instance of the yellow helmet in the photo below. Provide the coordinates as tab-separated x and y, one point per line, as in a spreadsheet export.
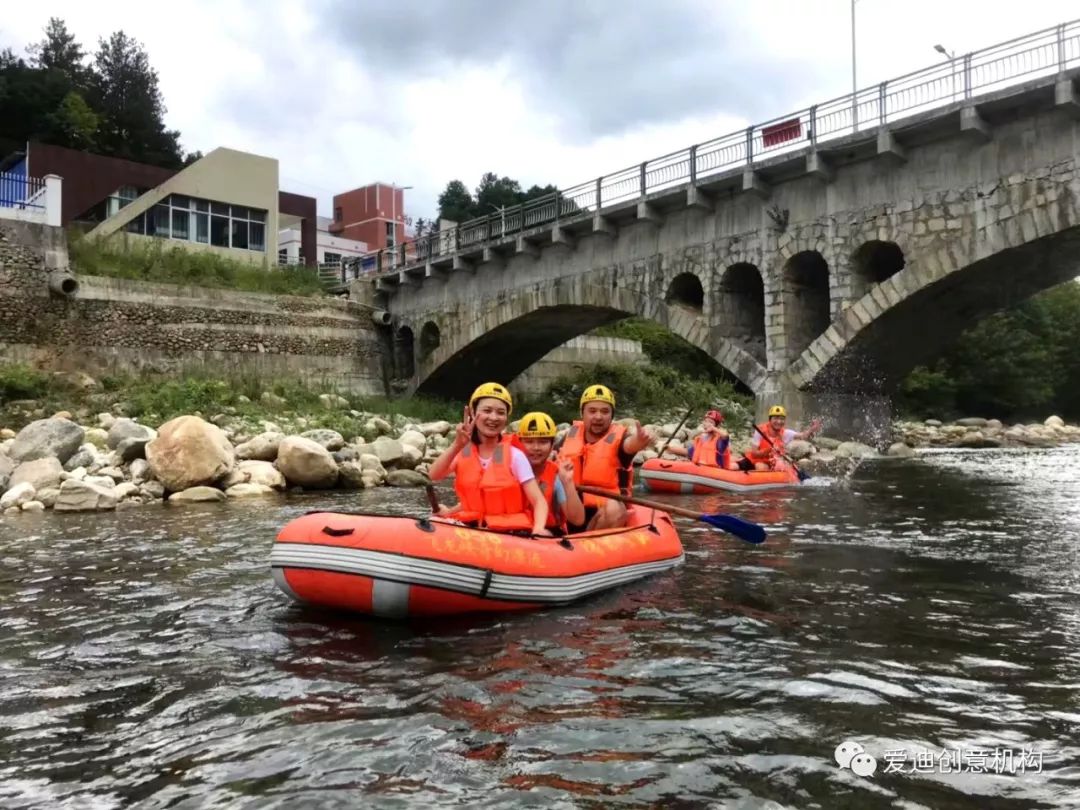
537	425
495	391
597	393
777	410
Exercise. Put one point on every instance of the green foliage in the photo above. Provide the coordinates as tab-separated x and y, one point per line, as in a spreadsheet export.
156	260
458	204
1018	363
20	381
666	349
647	392
112	105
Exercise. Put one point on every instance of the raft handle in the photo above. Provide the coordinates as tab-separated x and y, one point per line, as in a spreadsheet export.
487	583
566	544
424	525
336	532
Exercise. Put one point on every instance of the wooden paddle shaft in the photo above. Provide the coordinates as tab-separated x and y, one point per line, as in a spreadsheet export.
663	507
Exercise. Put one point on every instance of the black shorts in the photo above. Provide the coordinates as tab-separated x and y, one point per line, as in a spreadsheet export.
590	513
745	464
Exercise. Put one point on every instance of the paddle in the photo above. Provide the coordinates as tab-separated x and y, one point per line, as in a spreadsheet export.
676	431
802	475
743	529
433	499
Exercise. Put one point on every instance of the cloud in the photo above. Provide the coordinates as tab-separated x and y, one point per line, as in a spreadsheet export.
598	67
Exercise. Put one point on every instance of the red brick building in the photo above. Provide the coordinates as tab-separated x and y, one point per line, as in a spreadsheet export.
374	214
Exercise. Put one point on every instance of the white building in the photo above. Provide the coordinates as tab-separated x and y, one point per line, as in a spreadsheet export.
331	249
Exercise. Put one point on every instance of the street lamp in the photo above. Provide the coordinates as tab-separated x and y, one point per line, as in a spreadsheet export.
952	60
854	85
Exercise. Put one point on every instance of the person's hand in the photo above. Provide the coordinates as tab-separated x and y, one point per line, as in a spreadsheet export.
642	434
464	430
815	426
444	509
566	472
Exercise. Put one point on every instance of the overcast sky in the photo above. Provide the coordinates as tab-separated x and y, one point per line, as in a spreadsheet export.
420	92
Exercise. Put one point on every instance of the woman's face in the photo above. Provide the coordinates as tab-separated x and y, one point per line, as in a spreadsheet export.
490	417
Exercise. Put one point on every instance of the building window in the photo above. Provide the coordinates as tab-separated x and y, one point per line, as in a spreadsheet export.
218	224
389	234
283	256
331	258
337	213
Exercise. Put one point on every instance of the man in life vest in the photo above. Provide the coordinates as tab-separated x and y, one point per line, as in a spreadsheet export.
537	433
492	476
770	439
603	457
711	447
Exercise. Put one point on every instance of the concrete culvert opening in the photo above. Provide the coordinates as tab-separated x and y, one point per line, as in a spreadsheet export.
742	307
686	289
806	300
875	262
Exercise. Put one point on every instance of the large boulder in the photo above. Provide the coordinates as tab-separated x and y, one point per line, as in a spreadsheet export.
84	457
352	475
189	452
414	438
248	490
854	450
900	450
197	495
388	451
825	443
307	463
330	439
406	478
971	422
81	496
251	471
799	449
124	429
59	438
435	428
1054	422
410	457
17	495
263	447
7	467
42	473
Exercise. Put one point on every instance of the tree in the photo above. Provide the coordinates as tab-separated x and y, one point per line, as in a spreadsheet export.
74	123
59	51
192	157
456	203
127	97
495	193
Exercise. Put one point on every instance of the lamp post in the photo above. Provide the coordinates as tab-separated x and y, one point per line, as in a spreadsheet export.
393	206
502	212
952	60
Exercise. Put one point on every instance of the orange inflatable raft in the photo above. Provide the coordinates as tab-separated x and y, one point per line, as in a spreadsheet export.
688	478
394	566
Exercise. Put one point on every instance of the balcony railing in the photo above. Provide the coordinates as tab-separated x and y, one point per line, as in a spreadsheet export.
1049	52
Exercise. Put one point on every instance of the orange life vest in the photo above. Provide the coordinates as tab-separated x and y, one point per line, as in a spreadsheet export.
705	446
546	481
764	452
492	496
596	464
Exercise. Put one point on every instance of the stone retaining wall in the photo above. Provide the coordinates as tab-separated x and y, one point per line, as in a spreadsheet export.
573	356
117	325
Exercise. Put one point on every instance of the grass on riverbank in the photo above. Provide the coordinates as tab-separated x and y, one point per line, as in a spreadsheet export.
162	261
649	393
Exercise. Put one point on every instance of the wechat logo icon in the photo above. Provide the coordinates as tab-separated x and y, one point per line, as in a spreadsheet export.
849	754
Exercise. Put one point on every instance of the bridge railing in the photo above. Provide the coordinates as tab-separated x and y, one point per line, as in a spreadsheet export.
1045	53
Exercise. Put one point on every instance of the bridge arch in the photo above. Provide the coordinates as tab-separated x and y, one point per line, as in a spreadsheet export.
404	353
804	285
740	304
874	262
514	332
429	339
685	289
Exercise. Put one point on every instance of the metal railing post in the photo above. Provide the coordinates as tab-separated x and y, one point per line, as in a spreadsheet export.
599	187
693	165
1061	48
881	103
644	167
813	126
749	146
967	76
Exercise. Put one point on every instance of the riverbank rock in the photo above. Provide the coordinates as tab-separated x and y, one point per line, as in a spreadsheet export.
188	452
263	447
388	451
980	433
825	443
197	495
7	467
1054	422
799	449
98	438
406	478
248	490
83	496
307	463
414	438
329	439
47	437
900	450
854	450
435	428
17	495
33	506
42	473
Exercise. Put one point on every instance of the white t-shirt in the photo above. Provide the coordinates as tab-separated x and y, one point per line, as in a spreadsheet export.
519	465
789	434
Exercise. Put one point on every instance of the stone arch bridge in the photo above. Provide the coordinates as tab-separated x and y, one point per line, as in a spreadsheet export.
819	277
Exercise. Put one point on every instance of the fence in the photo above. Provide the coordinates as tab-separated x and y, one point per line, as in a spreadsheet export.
30	199
1045	53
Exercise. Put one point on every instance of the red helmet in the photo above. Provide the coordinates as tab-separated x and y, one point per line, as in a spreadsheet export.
715	415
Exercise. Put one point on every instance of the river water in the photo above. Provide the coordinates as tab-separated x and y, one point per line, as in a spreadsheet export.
927	610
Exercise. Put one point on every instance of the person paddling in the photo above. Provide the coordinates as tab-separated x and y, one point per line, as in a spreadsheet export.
770	439
711	447
537	433
492	476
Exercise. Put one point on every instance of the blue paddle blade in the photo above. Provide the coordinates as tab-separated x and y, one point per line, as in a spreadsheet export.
743	529
802	476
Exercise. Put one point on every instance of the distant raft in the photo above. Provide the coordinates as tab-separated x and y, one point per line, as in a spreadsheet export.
688	478
397	567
